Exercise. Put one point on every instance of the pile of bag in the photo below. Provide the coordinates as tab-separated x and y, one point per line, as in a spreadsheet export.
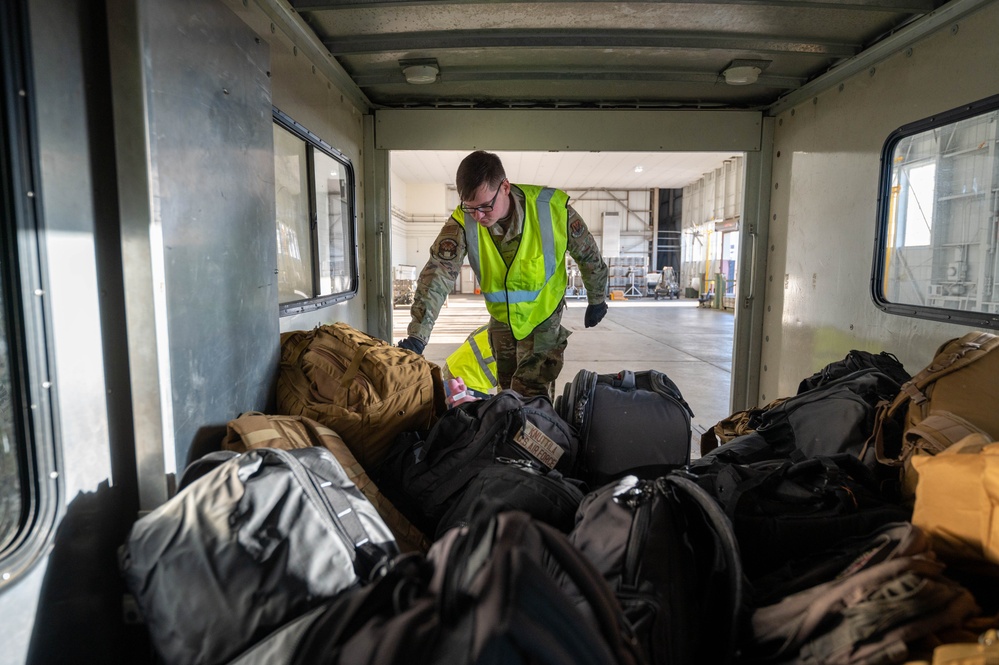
370	524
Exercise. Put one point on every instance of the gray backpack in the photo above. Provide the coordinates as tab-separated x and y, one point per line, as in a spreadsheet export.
250	542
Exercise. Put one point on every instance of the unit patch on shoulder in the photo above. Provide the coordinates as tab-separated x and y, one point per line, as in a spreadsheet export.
576	228
447	249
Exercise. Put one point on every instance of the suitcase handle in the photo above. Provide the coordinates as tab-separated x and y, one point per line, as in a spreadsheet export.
625	380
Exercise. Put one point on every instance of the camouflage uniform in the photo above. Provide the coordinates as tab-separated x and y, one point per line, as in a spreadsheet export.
531	365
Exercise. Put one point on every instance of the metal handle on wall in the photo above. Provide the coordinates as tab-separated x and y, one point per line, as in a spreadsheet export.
752	271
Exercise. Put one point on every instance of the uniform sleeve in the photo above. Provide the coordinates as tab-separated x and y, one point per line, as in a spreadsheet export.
584	251
437	279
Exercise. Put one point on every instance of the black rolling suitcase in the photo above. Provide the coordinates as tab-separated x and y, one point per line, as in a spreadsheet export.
628	423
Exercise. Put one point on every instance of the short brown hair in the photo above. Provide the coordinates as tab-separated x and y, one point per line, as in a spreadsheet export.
478	168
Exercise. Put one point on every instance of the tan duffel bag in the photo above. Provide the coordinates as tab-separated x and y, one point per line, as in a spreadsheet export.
365	389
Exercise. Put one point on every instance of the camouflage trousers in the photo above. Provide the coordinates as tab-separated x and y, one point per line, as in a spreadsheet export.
531	365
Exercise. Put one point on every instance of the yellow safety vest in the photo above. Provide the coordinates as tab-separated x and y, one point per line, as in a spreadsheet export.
474	362
526	293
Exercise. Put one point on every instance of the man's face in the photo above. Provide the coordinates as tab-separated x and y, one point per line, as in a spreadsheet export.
489	205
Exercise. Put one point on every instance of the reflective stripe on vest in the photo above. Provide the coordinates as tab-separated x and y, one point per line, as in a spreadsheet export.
545	218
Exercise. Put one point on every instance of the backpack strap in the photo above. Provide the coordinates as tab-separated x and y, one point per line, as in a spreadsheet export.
962	352
937	432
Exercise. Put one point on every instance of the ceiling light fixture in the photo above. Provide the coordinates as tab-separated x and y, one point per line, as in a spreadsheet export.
639	168
744	72
420	72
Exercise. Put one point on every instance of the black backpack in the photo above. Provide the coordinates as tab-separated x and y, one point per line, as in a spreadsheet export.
486	593
784	509
511	484
426	476
835	417
855	360
668	551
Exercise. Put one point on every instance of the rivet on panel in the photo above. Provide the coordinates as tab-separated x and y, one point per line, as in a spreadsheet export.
313	69
767	338
815	100
778	153
841	86
776	185
46	384
764	368
953	29
31	195
6	576
39	292
775	217
273	29
294	50
22	93
780	122
872	70
53	475
908	52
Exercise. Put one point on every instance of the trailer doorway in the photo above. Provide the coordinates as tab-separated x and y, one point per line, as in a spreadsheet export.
634	204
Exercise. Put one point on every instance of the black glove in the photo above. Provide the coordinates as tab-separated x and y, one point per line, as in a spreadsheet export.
414	344
594	314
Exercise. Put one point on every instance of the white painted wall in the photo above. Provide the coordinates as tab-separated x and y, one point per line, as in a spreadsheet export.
823	204
709	204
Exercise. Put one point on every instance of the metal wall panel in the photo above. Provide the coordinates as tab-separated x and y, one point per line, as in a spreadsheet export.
824	203
199	211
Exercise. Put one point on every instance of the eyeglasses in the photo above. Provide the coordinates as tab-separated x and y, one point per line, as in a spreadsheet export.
488	207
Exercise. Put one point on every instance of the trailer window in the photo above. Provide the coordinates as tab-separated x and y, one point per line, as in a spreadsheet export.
316	234
29	475
938	217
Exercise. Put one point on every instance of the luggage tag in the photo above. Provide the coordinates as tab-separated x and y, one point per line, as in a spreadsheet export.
538	444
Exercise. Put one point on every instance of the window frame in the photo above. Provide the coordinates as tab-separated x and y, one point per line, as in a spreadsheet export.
877	282
313	143
24	308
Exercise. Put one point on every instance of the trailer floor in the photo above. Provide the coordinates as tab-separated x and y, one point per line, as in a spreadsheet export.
691	344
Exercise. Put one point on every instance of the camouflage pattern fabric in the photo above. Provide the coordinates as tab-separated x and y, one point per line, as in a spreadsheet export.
531	365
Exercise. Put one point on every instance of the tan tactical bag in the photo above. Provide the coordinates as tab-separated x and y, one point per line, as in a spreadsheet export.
364	388
256	430
955	395
957	503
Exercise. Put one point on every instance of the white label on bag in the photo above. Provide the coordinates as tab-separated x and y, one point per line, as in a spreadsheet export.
536	442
